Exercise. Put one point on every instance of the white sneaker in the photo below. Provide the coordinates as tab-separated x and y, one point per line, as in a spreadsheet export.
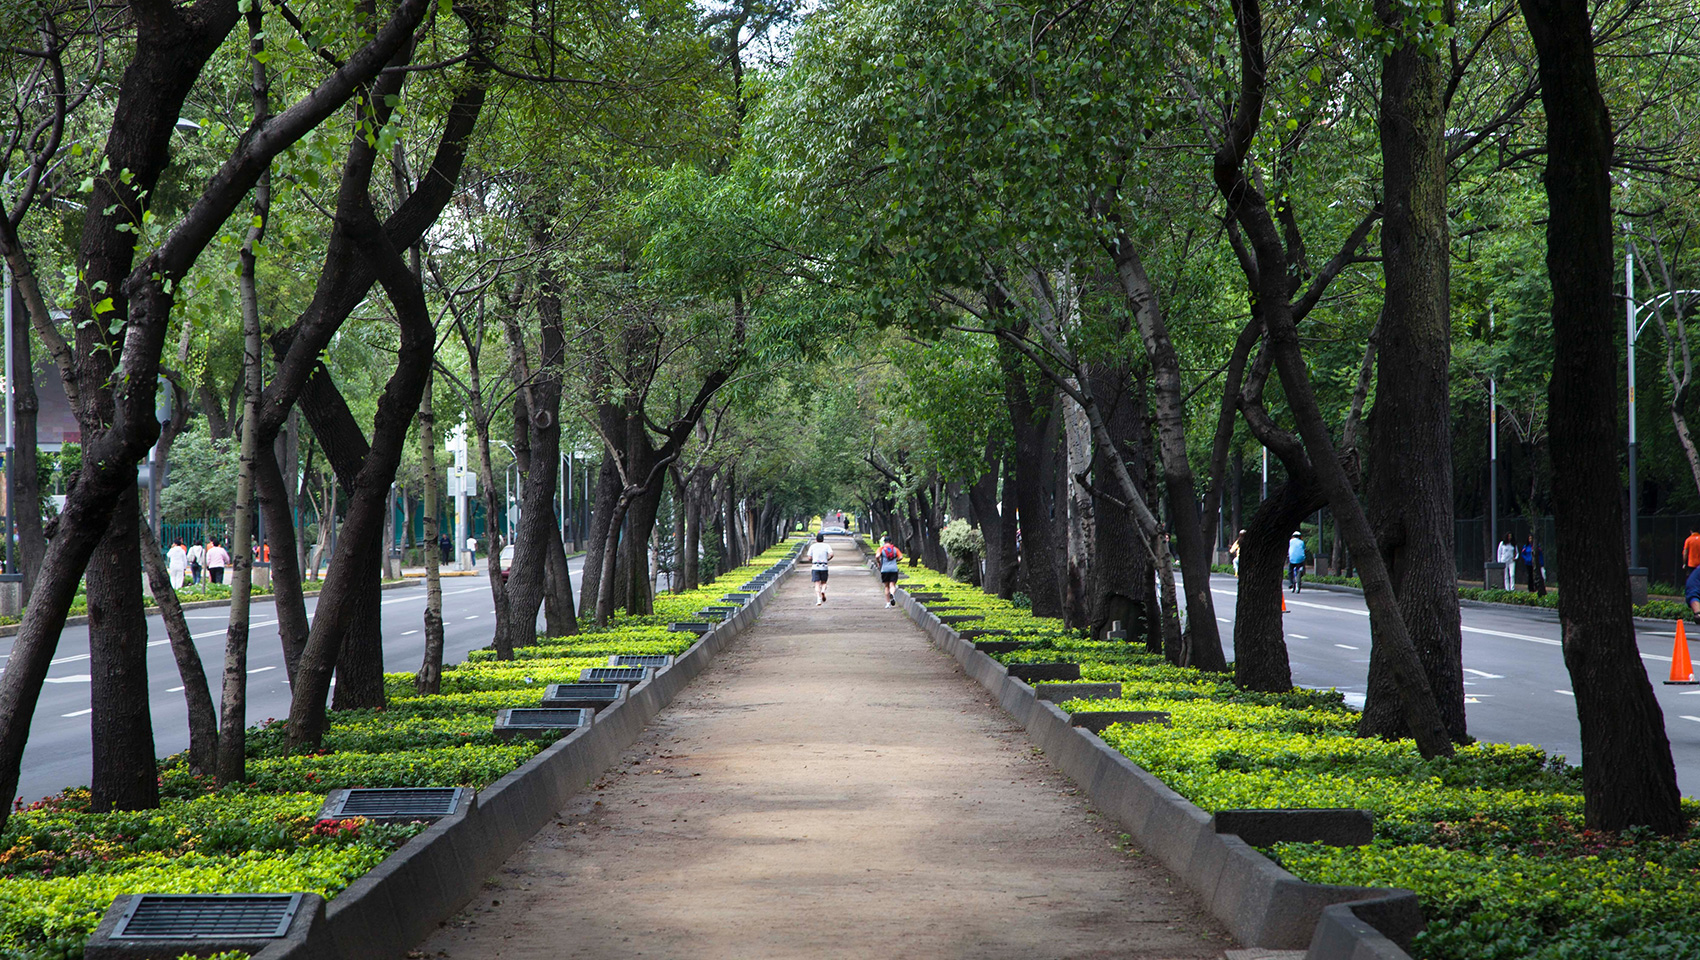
890	603
819	601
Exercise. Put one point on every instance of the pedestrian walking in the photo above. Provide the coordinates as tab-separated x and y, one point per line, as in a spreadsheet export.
1526	555
1508	555
471	551
197	559
820	556
1537	568
217	559
1234	552
177	562
887	556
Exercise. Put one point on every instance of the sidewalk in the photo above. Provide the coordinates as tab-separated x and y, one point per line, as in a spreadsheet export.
832	786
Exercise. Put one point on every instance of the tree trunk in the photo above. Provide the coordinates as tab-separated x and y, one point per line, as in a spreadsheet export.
691	562
287	596
559	617
1119	588
1628	778
598	538
1168	407
1034	441
203	716
508	634
121	722
26	482
1260	636
983	501
429	679
1410	456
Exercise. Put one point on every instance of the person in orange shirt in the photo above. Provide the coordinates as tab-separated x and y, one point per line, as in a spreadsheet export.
1691	550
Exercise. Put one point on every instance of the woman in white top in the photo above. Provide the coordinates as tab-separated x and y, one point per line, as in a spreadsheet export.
819	556
177	561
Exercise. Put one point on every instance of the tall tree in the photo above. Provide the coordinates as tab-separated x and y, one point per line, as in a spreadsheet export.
1628	777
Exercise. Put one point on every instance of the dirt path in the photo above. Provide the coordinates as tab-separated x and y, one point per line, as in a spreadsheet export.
832	786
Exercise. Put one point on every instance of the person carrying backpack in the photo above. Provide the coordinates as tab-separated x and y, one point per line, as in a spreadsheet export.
1296	557
888	555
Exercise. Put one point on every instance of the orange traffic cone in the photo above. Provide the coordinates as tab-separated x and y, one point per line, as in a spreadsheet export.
1283	603
1681	668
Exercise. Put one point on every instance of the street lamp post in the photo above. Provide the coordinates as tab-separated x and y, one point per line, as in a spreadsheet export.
1633	327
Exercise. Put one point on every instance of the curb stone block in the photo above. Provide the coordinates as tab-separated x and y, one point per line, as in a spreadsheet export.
1061	692
1098	721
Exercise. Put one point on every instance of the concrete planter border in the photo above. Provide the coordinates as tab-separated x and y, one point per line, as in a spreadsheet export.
1261	904
387	912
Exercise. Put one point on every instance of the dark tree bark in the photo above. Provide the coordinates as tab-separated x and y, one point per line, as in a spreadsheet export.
1034	444
203	715
559	617
983	502
357	562
1260	636
541	393
429	679
1628	778
1272	275
1410	453
601	534
1120	572
287	594
26	483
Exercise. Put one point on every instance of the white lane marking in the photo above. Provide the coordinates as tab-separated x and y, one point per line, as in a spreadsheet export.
1300	636
1565	692
1345	646
73	678
78	713
58	661
175	690
1484	674
260	670
1689	693
214	616
1223	620
220	633
446	593
473	617
410	633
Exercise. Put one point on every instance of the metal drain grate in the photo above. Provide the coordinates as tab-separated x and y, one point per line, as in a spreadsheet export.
689	626
656	660
394	803
551	718
558	695
614	674
223	916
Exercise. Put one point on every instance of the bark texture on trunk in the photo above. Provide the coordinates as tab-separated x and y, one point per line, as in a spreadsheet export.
1628	778
121	724
1260	636
1410	453
1034	440
32	542
429	679
1120	571
203	715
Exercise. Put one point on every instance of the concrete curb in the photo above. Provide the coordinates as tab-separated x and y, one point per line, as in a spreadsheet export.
385	913
1261	904
11	629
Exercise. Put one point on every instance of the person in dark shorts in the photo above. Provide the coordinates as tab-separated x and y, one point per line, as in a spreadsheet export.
820	555
887	557
1691	593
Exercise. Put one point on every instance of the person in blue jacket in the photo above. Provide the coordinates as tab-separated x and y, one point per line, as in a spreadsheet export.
1296	557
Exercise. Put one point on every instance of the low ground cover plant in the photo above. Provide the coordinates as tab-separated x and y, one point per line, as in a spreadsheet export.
1492	841
61	865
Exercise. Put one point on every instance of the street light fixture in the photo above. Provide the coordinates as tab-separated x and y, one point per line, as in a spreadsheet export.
1635	325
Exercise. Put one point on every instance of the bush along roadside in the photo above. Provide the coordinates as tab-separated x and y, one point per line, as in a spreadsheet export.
1492	841
61	865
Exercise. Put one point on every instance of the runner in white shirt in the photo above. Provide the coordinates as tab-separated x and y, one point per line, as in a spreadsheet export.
819	555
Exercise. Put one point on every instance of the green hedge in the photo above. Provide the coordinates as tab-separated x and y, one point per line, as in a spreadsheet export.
1492	840
60	865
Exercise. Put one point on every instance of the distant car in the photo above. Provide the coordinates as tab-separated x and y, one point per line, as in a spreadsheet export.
506	560
835	531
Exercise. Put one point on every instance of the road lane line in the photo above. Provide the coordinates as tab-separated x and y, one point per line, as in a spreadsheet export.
1687	717
1484	674
410	633
1298	636
1567	693
174	690
73	678
260	670
78	713
58	661
1345	646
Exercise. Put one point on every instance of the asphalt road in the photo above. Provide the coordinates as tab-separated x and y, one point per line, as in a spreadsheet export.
1517	690
57	754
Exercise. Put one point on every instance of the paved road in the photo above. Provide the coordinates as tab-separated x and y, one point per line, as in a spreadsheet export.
1517	690
58	751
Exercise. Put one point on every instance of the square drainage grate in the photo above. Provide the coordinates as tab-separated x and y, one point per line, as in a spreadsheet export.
546	722
656	660
221	916
690	626
597	695
614	674
393	803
